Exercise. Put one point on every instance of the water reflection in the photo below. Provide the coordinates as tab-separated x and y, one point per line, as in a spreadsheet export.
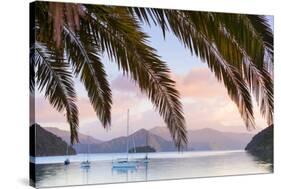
85	174
123	170
49	170
261	162
156	169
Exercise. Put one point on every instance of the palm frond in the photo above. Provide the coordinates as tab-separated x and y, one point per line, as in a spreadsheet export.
261	25
55	79
32	54
267	103
231	76
83	55
243	49
32	70
121	38
191	30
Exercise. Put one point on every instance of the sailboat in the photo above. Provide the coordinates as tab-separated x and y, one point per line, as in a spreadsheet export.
87	163
125	162
66	162
146	160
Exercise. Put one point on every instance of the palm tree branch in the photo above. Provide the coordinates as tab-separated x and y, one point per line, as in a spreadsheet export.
259	80
32	66
184	28
53	76
256	40
88	67
126	45
239	55
261	25
236	86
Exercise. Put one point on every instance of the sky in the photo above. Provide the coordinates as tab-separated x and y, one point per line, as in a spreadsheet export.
205	100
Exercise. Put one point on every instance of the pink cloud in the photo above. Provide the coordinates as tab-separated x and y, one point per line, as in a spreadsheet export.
122	101
199	83
44	112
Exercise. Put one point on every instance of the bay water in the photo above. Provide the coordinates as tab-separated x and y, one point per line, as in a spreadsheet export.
50	171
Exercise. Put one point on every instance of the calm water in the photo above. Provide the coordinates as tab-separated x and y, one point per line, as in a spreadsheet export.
50	171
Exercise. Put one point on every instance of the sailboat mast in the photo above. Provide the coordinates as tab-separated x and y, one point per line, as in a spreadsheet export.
146	144
128	114
88	148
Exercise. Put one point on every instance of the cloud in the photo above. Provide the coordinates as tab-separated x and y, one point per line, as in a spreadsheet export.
45	113
122	83
199	83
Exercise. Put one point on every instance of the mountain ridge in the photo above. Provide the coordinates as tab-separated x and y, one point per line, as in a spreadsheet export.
159	138
45	143
262	145
65	135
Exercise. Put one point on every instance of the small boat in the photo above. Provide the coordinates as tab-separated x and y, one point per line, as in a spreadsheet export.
146	159
125	163
67	161
87	163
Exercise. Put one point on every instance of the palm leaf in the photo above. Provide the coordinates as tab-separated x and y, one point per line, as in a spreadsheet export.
120	37
55	79
32	70
195	35
260	24
243	49
82	53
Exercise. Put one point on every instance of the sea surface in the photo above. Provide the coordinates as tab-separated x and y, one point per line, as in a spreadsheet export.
50	171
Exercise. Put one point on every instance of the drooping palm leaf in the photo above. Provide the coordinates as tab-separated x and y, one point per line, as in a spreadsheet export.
120	36
261	25
146	68
245	50
53	76
191	33
32	70
82	53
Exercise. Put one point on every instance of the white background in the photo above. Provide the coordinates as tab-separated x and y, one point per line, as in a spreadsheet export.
14	101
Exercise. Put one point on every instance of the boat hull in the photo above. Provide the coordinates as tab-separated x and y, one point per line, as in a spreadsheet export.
124	165
85	164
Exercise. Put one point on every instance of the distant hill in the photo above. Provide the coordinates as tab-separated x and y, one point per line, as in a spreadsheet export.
262	145
159	138
209	139
65	135
119	144
161	131
47	144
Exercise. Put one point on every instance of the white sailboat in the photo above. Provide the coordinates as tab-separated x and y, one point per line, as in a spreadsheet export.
125	163
146	160
66	161
87	163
